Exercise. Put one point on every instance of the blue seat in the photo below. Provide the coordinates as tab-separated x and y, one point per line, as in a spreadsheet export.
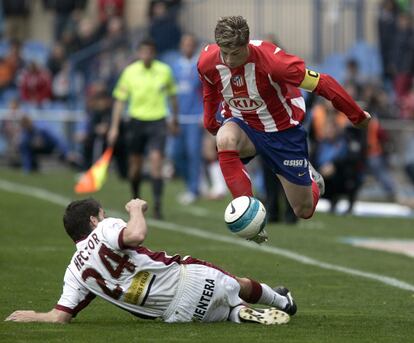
368	58
366	55
35	50
4	47
334	65
9	94
170	56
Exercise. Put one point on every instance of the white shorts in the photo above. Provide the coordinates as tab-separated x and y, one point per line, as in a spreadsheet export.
205	294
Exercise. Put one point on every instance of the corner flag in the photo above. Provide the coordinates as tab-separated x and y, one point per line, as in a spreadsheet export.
95	176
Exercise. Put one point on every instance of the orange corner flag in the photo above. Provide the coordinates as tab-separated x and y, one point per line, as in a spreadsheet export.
95	176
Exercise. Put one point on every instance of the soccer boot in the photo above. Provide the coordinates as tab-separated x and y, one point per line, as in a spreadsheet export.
315	176
291	307
266	316
260	238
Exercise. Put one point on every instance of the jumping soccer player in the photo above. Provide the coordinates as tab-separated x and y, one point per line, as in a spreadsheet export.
111	262
258	84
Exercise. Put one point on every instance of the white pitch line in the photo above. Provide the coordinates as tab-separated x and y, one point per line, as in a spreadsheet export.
63	201
197	211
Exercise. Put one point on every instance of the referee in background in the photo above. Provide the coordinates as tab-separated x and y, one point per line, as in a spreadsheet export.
146	85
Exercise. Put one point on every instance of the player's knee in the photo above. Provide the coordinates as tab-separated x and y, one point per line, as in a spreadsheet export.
304	210
226	142
133	172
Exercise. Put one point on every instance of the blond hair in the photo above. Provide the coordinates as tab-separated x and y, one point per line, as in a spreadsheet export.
232	32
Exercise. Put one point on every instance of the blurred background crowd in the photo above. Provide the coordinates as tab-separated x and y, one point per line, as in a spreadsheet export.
60	60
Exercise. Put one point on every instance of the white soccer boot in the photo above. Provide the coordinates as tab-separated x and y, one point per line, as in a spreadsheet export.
266	316
318	178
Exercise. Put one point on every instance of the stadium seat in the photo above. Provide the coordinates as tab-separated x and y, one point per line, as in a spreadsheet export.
334	65
4	47
366	55
35	50
368	58
7	95
170	56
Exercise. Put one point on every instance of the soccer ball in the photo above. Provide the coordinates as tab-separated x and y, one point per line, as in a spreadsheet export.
245	216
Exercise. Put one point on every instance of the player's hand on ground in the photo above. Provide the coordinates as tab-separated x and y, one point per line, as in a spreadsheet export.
136	205
21	316
363	124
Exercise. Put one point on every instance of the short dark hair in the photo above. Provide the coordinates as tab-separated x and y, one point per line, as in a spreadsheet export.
147	41
76	218
232	32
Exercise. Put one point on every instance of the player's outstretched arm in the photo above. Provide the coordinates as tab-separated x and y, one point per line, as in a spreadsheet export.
136	230
326	86
53	316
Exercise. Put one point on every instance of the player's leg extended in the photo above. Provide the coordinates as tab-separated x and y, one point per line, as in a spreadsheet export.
254	292
302	199
233	144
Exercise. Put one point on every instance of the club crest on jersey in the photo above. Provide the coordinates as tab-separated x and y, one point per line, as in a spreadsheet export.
237	80
245	104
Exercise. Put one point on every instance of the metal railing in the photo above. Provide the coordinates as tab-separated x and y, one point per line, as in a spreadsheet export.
312	29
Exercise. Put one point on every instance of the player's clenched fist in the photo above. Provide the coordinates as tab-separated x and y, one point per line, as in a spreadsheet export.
136	205
364	123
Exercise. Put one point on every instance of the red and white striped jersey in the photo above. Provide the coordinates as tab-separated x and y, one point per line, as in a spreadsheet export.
264	91
138	280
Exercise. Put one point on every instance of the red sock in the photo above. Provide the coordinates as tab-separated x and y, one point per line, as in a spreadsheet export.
236	176
315	194
255	293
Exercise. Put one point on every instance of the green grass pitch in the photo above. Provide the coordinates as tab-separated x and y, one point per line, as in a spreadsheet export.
333	305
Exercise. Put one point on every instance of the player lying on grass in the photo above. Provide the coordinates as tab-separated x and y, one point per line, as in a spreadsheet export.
111	262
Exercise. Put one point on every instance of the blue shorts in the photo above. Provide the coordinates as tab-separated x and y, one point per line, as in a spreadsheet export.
285	152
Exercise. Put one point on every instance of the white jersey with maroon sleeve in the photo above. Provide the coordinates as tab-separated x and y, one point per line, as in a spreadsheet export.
263	92
138	280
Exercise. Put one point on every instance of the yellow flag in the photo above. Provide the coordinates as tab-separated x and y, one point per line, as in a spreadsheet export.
95	176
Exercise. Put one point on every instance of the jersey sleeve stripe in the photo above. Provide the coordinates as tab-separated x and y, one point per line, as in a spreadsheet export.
121	243
208	80
85	302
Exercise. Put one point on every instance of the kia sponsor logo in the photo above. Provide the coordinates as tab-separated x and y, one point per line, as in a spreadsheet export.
245	104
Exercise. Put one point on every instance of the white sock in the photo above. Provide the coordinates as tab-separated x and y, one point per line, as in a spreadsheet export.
271	298
218	183
234	314
203	185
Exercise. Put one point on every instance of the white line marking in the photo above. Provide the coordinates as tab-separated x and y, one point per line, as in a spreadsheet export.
311	225
34	192
195	210
63	201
